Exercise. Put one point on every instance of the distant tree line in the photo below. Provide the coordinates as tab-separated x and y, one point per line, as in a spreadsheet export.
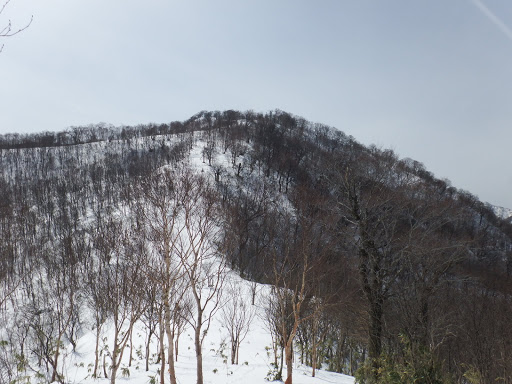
103	132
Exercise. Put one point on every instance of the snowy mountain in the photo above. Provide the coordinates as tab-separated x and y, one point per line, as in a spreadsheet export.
263	236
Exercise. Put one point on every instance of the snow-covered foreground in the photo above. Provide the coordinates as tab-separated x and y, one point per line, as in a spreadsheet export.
254	359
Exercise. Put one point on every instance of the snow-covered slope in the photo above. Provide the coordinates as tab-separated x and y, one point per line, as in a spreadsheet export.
254	361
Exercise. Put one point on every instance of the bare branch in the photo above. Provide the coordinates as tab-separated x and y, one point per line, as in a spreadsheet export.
7	30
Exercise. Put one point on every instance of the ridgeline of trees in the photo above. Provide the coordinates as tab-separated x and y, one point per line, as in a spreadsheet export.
379	269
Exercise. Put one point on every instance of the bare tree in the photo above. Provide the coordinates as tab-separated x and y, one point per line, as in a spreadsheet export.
151	315
182	304
272	318
312	333
296	261
304	272
55	307
198	256
98	303
124	282
290	293
237	316
161	209
105	236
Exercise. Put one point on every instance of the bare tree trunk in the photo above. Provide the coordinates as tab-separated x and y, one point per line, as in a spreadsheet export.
170	353
170	337
131	348
375	336
115	352
96	351
288	352
54	363
254	288
314	358
105	366
314	346
147	351
280	374
199	353
162	349
118	350
233	349
237	352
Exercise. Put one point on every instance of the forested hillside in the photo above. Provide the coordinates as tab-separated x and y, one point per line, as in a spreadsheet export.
379	269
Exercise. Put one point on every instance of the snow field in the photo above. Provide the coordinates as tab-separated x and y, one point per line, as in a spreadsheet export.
254	361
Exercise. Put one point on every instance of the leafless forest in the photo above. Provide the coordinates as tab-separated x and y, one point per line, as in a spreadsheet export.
380	270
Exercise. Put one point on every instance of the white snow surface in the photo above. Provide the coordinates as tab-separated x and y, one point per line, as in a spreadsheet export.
254	360
502	212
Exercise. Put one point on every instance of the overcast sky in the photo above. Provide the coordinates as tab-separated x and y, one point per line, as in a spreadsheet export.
430	79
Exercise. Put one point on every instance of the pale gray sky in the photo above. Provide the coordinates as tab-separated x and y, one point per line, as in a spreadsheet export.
430	79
